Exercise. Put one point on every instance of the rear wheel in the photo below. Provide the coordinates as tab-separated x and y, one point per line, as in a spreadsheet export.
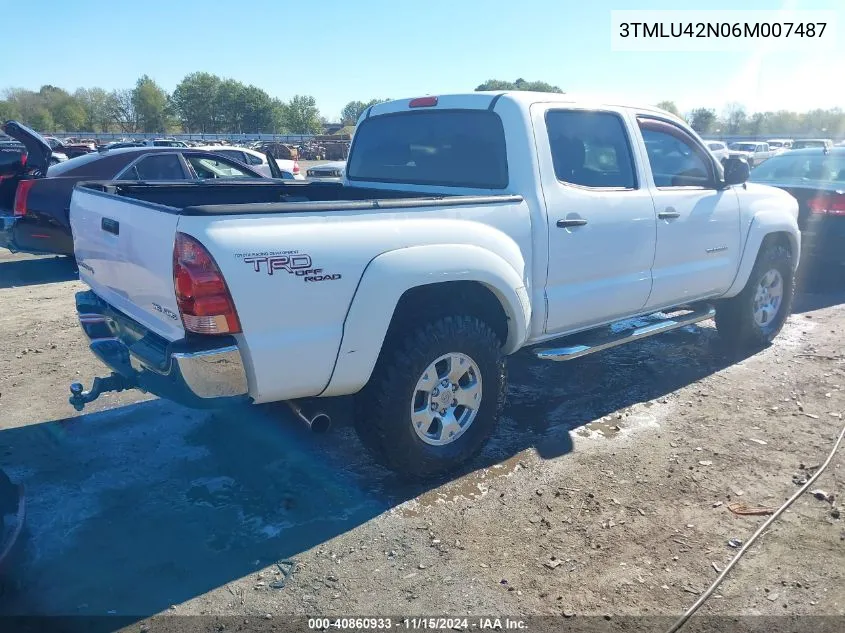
434	398
756	315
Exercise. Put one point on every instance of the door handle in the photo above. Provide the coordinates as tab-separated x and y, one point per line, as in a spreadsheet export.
668	214
110	226
565	224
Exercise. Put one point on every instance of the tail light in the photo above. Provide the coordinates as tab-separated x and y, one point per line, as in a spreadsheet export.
24	157
21	196
828	204
423	102
203	298
296	168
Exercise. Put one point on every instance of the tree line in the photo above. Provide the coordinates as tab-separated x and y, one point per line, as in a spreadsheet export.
205	103
735	120
202	102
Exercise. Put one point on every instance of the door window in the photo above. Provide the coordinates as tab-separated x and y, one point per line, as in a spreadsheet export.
157	167
676	159
232	153
207	167
590	149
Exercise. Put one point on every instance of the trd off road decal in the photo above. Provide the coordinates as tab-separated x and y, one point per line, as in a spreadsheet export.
291	262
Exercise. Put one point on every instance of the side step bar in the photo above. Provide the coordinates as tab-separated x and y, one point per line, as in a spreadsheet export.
602	339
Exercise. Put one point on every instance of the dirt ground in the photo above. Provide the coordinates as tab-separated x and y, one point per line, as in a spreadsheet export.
605	491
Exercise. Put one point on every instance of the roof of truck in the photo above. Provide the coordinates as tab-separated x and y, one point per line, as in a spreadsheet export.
524	98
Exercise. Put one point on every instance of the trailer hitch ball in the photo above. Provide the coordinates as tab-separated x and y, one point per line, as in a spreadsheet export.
79	398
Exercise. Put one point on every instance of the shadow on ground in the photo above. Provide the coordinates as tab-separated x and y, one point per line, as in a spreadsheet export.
137	508
34	271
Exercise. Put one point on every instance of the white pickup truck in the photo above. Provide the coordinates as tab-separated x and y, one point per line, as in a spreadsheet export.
467	227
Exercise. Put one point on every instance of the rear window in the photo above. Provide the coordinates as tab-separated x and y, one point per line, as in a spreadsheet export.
455	148
821	168
805	144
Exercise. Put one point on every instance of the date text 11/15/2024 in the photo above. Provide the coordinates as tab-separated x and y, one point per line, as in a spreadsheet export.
417	623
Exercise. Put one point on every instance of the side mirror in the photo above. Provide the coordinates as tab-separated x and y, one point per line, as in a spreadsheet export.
737	170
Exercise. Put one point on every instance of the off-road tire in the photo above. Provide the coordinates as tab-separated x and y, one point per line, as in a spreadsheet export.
383	407
735	316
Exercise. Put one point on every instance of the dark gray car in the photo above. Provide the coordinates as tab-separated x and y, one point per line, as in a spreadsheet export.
37	221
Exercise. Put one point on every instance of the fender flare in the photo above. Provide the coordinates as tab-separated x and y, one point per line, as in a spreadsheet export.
763	224
389	275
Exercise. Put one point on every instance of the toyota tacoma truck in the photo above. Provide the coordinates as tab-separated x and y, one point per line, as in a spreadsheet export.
467	227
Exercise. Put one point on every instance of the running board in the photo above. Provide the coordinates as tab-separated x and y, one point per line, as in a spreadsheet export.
604	338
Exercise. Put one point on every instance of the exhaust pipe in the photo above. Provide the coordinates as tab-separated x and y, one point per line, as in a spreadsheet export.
318	422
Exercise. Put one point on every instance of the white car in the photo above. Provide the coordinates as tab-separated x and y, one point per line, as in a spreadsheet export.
753	151
467	227
718	149
258	161
162	142
779	145
332	171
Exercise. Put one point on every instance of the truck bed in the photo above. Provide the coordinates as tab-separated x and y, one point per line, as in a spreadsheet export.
256	197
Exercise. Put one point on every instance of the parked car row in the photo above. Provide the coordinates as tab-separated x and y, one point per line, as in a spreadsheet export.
756	152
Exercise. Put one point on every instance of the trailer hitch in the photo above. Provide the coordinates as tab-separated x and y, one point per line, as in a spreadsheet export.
115	382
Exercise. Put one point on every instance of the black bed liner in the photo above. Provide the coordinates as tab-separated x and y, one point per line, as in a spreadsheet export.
257	197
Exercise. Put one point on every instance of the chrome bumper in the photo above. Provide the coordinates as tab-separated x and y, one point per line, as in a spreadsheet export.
215	373
208	372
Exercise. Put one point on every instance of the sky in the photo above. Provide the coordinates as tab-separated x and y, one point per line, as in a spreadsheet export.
340	51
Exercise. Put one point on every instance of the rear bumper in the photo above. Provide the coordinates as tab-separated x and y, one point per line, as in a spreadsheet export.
205	372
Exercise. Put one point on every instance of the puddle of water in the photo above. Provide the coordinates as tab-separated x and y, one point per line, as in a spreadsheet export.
606	428
639	416
472	486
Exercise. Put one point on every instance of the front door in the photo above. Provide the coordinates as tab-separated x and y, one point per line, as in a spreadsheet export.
698	230
600	215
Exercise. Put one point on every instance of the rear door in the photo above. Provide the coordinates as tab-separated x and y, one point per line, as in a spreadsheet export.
698	229
601	223
124	250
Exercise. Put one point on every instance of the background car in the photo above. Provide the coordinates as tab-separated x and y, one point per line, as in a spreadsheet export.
804	143
333	171
34	216
69	149
257	160
755	152
718	149
779	145
163	142
816	178
8	142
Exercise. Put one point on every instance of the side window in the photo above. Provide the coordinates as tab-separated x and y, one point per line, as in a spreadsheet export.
160	167
676	159
590	149
231	153
214	167
254	160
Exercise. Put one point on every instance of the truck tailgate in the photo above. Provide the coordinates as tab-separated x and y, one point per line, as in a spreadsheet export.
124	250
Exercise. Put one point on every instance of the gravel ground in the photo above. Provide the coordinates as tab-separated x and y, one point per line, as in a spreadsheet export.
605	491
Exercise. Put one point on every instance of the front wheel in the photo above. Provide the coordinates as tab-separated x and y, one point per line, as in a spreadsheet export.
434	398
756	315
